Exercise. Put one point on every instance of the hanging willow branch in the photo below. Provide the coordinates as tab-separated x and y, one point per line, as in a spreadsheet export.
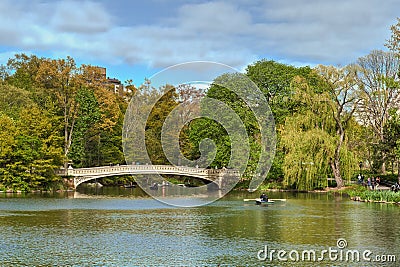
309	138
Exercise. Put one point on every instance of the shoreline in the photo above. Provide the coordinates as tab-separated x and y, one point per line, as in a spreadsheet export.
10	191
359	199
326	190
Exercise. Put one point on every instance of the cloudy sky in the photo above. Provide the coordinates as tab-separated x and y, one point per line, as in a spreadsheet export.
135	39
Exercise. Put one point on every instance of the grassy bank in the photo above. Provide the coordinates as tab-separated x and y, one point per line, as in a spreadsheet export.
360	193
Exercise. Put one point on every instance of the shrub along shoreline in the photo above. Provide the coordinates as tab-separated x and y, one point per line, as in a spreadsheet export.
360	193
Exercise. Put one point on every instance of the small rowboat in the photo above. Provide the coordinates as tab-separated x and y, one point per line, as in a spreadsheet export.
259	201
270	199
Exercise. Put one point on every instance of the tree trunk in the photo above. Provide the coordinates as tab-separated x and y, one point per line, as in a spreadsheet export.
383	169
384	156
65	138
398	171
392	166
336	172
335	163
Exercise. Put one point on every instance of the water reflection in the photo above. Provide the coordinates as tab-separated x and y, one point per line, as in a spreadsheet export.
123	227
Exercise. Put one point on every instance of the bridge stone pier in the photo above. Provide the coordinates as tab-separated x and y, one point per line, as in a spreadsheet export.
218	178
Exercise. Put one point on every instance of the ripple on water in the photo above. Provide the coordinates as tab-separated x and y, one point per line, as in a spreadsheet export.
144	232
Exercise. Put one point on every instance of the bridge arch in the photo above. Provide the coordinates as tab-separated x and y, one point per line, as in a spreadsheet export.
215	176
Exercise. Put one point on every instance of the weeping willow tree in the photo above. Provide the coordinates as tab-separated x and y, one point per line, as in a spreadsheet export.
309	138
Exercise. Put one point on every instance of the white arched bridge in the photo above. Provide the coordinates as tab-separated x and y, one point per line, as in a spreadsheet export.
220	177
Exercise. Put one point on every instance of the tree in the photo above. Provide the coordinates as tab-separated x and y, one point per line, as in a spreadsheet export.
85	116
13	99
88	115
378	75
35	150
130	90
231	123
306	139
189	97
23	70
102	141
163	107
7	145
176	135
391	140
274	80
342	89
59	76
394	42
309	139
144	120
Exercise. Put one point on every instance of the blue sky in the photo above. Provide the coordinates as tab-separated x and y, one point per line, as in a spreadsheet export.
135	39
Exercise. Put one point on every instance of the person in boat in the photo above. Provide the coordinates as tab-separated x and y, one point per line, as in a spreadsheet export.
154	186
264	197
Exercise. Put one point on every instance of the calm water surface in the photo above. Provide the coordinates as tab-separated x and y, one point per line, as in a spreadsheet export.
124	227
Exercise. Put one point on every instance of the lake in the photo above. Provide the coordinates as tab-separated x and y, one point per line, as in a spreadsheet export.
124	227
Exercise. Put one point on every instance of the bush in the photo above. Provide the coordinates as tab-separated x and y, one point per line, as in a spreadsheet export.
377	196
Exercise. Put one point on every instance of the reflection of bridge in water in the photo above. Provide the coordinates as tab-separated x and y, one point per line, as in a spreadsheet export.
222	178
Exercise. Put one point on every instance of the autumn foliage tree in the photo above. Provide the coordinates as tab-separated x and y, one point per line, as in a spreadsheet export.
53	111
56	111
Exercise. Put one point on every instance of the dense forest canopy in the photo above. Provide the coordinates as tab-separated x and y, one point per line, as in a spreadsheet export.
331	122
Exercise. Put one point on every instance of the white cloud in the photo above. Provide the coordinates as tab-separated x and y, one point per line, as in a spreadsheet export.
328	31
235	33
212	18
80	17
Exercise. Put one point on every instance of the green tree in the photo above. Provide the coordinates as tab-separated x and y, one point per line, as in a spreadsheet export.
103	143
377	75
166	103
7	145
274	80
391	140
343	99
88	115
305	139
36	151
189	101
310	139
23	70
225	89
13	99
59	76
22	73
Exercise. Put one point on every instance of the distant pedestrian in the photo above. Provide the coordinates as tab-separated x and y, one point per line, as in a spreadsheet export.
395	187
369	183
377	182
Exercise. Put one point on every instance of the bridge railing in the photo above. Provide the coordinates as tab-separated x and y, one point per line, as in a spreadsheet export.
132	168
61	172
